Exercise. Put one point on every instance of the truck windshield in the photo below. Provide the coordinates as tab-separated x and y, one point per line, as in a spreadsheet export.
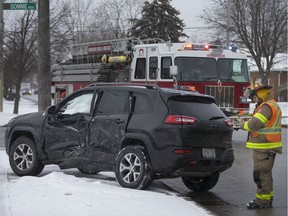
210	69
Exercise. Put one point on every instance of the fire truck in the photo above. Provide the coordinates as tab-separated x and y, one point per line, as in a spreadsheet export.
208	69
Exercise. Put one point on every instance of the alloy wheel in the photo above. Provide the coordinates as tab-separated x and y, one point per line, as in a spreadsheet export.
23	157
130	168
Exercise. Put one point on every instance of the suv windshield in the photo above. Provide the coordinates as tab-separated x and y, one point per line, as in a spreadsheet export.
210	69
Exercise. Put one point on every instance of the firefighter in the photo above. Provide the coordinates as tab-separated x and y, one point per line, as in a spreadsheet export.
264	137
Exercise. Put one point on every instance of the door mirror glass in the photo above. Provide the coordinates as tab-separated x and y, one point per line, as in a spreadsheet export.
173	70
51	109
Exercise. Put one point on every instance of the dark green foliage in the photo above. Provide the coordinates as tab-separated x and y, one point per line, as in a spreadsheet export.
159	20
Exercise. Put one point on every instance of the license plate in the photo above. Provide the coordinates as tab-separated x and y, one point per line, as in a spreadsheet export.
208	153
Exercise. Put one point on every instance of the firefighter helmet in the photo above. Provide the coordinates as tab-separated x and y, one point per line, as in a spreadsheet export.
258	89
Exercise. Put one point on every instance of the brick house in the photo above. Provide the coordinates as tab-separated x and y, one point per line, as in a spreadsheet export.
277	77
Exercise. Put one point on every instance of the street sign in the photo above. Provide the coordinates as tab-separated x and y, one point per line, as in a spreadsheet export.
19	6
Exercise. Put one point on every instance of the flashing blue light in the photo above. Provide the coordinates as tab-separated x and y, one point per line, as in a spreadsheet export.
232	48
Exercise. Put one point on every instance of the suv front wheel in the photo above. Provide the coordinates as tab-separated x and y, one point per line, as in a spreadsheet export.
23	157
133	169
201	183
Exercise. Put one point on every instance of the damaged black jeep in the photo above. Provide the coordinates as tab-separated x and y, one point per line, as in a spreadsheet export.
140	132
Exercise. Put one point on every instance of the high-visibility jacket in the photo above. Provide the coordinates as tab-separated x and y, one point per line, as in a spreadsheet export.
271	130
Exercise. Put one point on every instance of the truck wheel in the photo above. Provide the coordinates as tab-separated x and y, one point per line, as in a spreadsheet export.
133	169
201	183
23	157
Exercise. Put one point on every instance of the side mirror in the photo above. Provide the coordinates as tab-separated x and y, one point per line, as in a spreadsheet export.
51	109
173	70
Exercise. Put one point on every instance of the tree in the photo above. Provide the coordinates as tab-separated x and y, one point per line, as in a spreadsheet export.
159	20
259	26
78	19
21	50
114	15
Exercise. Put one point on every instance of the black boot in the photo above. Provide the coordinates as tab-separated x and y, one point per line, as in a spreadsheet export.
254	205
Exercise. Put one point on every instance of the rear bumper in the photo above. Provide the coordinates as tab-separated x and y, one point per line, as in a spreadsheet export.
169	164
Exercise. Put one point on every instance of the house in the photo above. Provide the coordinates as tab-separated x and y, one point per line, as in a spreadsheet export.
277	76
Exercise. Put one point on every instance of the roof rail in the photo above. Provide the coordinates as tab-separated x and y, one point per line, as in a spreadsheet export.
148	86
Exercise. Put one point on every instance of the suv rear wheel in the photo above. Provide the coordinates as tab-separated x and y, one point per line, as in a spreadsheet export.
201	183
23	157
133	169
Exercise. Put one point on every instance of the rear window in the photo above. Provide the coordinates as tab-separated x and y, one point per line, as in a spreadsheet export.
197	107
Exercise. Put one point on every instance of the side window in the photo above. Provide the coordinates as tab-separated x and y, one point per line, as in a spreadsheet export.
153	66
142	103
166	62
140	68
113	102
78	104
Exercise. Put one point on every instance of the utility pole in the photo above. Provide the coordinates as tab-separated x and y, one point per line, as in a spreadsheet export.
228	24
44	78
1	55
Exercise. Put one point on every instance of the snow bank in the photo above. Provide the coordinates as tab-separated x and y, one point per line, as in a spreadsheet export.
60	193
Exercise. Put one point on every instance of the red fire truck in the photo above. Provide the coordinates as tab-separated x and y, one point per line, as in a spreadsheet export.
208	69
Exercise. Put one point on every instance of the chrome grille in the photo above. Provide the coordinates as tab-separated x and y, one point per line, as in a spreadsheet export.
224	95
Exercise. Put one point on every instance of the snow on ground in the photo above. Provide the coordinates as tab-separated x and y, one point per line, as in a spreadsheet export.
25	106
55	192
62	193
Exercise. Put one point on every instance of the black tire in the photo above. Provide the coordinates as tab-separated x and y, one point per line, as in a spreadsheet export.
133	169
91	172
198	184
24	159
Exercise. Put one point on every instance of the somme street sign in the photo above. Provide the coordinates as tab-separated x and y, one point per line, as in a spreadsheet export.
19	6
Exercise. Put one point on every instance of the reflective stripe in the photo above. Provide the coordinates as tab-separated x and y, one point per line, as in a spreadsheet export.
261	117
265	196
269	131
278	119
263	145
246	126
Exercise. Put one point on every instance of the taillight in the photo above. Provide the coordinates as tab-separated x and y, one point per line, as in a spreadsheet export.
182	151
182	120
229	122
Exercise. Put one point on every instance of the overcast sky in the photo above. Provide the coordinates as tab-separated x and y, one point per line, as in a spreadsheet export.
190	11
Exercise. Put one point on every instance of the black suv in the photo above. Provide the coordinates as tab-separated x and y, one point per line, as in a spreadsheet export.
140	132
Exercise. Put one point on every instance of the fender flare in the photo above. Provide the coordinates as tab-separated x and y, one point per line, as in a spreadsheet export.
34	134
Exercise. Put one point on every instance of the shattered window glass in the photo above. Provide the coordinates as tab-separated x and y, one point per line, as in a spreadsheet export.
79	104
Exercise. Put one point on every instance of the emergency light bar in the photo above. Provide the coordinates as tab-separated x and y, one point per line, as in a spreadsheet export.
189	46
